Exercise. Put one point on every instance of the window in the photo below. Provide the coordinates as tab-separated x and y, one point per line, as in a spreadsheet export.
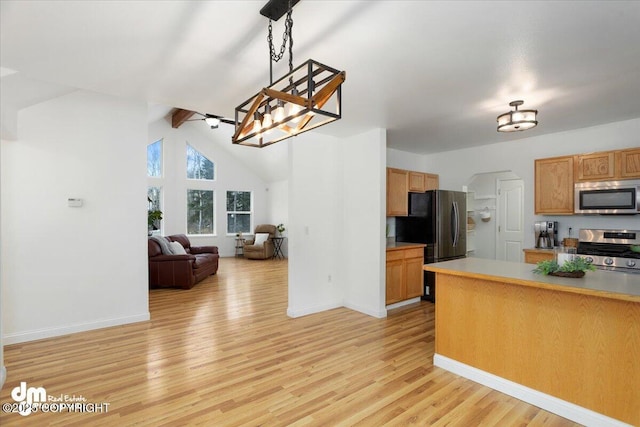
200	212
154	159
238	212
198	166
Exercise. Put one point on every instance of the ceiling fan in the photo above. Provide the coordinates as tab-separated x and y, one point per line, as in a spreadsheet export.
179	116
213	120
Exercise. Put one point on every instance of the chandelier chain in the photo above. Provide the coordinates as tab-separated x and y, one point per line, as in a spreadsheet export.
275	57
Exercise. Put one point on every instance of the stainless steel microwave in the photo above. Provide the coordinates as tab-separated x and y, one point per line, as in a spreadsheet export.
608	197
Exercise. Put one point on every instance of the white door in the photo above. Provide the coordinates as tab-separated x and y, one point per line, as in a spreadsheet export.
510	218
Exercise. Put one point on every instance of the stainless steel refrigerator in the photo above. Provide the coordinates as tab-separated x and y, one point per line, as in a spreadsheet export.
437	218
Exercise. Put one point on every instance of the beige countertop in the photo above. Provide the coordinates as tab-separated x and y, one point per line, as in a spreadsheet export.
607	284
393	246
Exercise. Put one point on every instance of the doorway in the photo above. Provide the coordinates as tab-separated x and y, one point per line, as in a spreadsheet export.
497	209
510	219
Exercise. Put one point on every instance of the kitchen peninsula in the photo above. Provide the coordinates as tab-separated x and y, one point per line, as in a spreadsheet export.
570	346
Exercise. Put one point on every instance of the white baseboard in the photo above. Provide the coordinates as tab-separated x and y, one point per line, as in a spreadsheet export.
547	402
20	337
380	314
403	303
311	310
3	375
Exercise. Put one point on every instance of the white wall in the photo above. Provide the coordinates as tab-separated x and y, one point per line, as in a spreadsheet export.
363	257
336	223
73	269
457	167
3	369
231	175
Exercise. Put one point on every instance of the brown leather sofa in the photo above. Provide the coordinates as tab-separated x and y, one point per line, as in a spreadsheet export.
181	271
264	250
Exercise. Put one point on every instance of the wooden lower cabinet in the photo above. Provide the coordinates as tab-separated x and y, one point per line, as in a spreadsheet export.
534	256
404	274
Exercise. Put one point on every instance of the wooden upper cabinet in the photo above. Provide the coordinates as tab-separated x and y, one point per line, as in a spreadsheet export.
595	166
554	186
420	182
628	163
417	182
397	192
433	181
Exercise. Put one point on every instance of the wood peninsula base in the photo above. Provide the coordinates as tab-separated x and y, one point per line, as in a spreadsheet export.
570	346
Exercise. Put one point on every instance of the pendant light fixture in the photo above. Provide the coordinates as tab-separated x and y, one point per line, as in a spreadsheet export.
309	96
517	120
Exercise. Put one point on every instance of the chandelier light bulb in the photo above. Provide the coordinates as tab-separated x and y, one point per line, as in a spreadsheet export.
278	113
257	126
267	121
294	108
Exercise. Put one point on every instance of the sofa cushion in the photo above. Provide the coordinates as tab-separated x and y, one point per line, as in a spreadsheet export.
177	248
261	238
204	260
164	244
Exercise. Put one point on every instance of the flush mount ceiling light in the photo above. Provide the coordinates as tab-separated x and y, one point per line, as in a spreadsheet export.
307	97
517	120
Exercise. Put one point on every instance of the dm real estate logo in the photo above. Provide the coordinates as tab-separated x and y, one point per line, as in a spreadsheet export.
29	400
29	397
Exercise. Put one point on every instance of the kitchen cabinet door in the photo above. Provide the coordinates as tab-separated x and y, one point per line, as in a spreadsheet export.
554	186
397	192
628	163
395	280
417	182
595	166
414	276
433	181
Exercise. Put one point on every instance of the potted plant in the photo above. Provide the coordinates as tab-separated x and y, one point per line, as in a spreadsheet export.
572	268
154	216
280	228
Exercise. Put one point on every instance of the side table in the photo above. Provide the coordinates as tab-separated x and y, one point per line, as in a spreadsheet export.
239	246
277	246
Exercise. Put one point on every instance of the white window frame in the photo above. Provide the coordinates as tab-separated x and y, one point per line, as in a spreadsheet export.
213	210
250	212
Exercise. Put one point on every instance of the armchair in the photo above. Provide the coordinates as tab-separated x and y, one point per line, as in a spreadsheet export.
263	250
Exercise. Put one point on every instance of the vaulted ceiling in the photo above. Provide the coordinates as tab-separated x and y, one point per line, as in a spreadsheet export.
434	73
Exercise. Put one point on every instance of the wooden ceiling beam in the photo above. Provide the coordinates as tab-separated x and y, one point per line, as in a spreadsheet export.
180	116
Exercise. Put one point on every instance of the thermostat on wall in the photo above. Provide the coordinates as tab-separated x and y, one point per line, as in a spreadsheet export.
75	203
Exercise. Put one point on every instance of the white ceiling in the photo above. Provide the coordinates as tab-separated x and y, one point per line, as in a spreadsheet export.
435	74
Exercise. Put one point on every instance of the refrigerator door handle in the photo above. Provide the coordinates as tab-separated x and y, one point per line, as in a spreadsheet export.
456	224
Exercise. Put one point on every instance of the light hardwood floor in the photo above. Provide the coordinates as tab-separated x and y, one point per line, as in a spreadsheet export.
225	353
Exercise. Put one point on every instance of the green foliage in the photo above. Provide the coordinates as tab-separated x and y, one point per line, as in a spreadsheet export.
153	217
280	228
546	267
551	266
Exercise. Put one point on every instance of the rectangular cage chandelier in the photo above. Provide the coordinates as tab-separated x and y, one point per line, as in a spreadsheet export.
309	96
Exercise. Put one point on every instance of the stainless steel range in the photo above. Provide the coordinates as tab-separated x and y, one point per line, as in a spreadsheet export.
611	249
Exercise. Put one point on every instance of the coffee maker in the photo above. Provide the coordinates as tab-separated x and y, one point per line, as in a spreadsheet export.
546	234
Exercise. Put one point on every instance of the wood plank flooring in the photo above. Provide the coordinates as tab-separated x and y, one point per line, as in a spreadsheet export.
225	354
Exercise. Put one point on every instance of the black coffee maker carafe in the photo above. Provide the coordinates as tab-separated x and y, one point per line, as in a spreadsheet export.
543	240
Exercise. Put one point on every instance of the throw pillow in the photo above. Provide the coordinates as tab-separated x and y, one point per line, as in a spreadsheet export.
164	244
177	248
261	238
